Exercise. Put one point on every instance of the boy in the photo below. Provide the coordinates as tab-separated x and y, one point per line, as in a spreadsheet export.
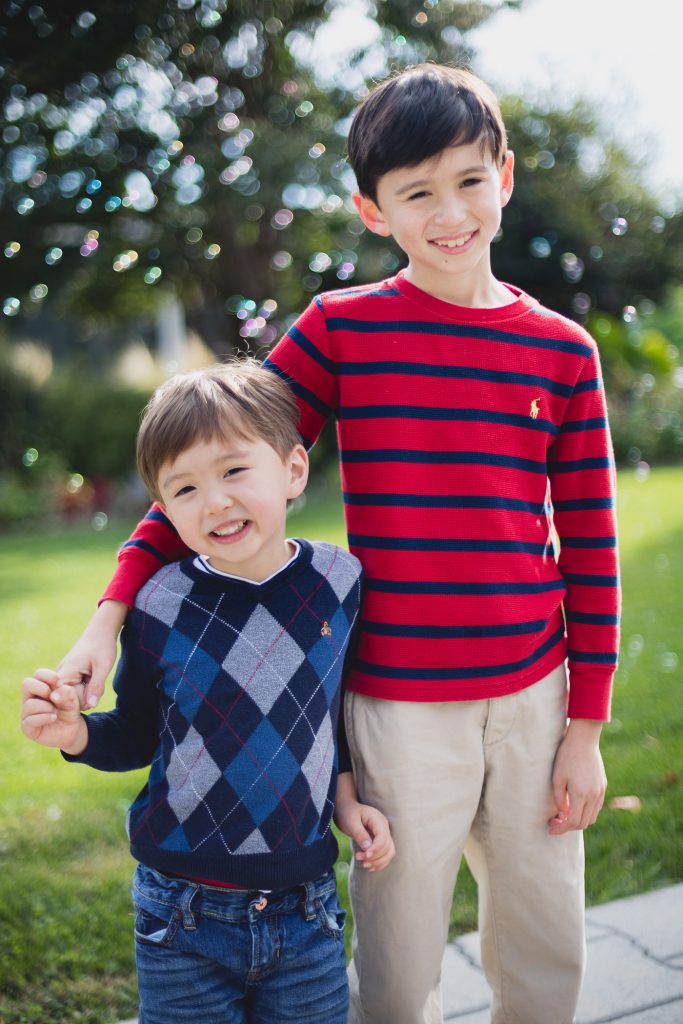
472	430
229	687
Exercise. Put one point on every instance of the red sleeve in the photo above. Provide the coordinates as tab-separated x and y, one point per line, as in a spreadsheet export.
154	542
582	480
304	360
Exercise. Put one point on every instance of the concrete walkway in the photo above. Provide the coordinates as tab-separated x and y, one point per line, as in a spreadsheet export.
635	966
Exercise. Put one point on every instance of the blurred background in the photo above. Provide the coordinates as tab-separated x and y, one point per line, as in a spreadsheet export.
173	189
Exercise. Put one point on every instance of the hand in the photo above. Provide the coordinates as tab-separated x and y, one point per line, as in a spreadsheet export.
92	657
369	830
579	781
50	713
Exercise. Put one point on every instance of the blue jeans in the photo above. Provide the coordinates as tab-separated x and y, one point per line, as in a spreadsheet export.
207	955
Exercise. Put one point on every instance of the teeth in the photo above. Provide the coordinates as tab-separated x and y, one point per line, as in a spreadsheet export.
453	243
229	530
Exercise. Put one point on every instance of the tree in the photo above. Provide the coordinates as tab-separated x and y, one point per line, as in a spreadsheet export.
191	142
582	232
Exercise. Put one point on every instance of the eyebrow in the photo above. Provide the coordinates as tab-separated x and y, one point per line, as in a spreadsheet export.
418	183
227	456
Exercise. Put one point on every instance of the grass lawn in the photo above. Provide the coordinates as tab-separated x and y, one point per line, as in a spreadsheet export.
66	950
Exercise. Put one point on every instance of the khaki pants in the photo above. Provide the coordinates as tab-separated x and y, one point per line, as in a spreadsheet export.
472	777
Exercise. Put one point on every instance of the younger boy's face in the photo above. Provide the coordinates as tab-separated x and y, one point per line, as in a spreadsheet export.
444	213
227	498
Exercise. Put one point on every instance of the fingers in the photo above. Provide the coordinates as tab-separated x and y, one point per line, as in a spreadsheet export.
380	852
579	811
88	676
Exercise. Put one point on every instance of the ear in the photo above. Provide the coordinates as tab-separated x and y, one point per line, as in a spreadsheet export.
507	178
297	464
371	215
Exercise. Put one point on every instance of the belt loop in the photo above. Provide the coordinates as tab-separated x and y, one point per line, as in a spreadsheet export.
310	912
185	908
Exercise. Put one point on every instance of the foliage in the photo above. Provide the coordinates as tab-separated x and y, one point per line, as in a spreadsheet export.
61	441
582	232
193	142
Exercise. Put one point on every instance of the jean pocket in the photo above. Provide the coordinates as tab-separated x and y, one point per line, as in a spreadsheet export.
331	915
155	906
152	930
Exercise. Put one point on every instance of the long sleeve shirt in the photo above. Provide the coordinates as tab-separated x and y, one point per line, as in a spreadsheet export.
479	491
230	691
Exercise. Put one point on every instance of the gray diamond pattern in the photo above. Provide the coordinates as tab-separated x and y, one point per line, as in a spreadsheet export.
191	774
317	767
263	658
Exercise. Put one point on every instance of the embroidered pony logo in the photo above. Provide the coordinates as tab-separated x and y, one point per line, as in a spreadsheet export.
535	408
325	629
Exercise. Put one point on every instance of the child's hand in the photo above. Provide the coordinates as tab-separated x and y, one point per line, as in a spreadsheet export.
369	830
92	657
50	712
579	780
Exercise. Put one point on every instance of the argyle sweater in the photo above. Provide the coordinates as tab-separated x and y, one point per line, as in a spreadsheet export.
230	690
471	441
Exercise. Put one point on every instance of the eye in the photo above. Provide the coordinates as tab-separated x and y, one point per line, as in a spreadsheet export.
417	195
469	182
187	489
235	470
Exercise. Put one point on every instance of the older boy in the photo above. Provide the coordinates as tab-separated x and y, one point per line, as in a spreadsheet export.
472	430
229	686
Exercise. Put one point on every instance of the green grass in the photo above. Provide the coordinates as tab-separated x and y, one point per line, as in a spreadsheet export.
66	948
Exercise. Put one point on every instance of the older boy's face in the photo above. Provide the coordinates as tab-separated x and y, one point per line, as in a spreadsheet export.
444	214
227	498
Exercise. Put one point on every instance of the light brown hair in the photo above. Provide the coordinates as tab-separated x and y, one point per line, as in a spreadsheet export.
234	399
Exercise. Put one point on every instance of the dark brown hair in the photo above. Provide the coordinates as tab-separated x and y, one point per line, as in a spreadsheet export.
417	114
235	399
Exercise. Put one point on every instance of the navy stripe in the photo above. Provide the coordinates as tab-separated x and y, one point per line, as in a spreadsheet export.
441	458
583	504
572	465
402	367
595	384
594	423
155	515
608	658
445	501
476	671
424	412
143	545
437	587
361	540
343	323
381	292
298	389
453	632
588	542
307	346
585	580
593	618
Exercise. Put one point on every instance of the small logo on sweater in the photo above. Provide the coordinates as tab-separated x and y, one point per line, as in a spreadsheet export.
325	629
535	408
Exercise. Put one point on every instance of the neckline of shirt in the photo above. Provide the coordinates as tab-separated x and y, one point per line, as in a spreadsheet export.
467	314
300	557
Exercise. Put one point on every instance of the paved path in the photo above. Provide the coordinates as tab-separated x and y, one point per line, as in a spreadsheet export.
635	966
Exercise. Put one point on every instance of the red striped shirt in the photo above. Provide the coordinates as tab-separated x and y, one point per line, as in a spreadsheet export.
470	440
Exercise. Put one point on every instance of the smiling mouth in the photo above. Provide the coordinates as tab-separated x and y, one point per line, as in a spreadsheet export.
229	531
452	243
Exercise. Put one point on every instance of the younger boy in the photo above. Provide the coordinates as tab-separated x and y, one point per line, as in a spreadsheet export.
229	687
472	431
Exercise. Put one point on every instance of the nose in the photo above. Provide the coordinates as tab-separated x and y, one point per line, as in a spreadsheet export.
451	210
218	498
